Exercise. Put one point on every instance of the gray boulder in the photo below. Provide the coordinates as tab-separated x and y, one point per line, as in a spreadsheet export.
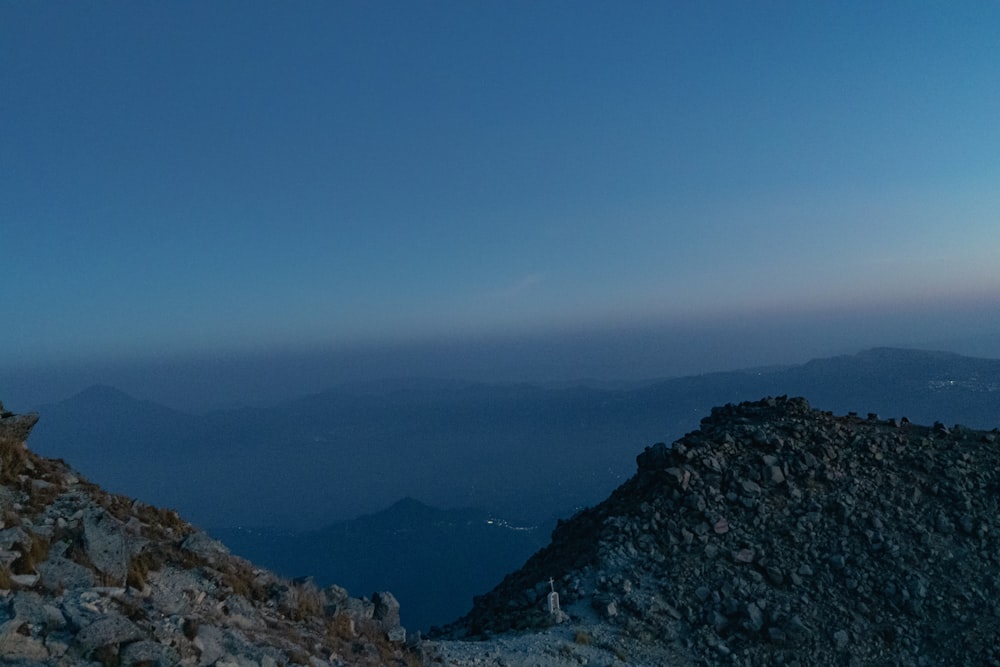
386	609
17	647
148	653
112	629
60	573
104	541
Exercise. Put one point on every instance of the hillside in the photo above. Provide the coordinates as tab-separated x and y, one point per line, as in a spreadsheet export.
775	534
92	578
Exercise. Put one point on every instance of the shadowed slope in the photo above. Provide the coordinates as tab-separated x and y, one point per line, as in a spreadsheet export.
781	533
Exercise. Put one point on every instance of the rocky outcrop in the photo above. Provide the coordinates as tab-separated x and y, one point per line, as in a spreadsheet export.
91	578
779	534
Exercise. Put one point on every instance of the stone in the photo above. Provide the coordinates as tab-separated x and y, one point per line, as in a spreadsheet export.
610	609
145	652
58	574
55	646
111	629
359	608
775	475
17	647
201	544
754	618
718	622
104	541
335	597
386	609
211	645
30	607
15	538
653	458
24	580
796	629
241	613
17	427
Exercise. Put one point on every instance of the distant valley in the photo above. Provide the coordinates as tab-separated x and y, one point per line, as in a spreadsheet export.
432	559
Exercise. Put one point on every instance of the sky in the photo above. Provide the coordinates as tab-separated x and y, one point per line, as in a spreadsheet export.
195	193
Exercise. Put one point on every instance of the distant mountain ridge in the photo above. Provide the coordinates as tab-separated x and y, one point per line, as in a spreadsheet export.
347	452
522	451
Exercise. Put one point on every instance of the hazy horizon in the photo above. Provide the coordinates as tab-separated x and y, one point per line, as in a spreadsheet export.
214	204
199	383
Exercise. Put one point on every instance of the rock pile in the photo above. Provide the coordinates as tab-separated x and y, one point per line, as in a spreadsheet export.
777	534
91	578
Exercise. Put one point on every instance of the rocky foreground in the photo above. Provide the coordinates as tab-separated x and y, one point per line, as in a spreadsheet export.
91	578
775	534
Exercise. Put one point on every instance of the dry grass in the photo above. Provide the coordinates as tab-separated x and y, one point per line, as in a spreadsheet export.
238	576
12	459
299	657
140	566
342	627
310	604
33	553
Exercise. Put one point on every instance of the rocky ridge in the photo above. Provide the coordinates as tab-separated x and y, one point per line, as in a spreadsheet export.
92	578
775	534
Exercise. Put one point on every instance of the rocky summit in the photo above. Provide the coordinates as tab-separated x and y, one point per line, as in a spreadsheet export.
776	534
92	578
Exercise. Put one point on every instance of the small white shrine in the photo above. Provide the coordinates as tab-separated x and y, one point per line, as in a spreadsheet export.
554	599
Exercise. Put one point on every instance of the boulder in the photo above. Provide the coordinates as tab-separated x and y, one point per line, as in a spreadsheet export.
104	541
58	574
16	647
386	609
108	630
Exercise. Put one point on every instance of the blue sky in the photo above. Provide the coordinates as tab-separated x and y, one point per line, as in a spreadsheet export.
189	178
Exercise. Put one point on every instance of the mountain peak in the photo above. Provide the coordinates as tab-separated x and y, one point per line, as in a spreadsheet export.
905	353
408	504
102	393
776	530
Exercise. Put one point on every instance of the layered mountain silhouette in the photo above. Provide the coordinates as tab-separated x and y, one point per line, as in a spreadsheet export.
527	453
521	450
